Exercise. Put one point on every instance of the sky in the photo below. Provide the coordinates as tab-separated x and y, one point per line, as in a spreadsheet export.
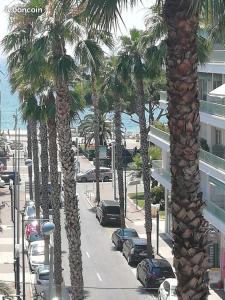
132	17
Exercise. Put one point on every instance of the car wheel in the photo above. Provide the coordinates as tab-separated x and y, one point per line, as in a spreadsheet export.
106	179
83	179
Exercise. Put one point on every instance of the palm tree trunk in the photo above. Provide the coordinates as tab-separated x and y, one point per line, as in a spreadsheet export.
29	154
97	140
71	208
119	158
55	198
145	164
43	135
189	232
36	167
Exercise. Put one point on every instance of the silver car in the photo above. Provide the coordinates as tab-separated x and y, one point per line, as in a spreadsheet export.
42	275
105	175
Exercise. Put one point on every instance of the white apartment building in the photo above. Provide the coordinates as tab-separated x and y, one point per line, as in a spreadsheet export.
212	161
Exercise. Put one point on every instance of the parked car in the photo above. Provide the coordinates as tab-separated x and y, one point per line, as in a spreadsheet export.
33	237
120	235
36	255
42	275
6	176
135	250
2	182
152	272
108	211
105	175
167	290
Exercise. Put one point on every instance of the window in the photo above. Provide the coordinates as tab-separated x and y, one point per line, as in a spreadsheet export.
112	210
202	89
217	80
218	136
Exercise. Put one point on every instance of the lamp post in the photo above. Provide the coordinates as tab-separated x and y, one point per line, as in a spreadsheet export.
48	229
114	167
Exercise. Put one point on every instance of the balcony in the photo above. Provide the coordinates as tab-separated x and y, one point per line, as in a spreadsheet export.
163	99
209	163
217	56
215	215
212	108
161	175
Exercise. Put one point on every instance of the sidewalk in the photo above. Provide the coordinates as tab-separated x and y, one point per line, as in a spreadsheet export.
6	248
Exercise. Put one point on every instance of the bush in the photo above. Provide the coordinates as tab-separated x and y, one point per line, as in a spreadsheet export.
158	196
155	152
161	126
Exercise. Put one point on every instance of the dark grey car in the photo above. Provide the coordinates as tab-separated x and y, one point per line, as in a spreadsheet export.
108	211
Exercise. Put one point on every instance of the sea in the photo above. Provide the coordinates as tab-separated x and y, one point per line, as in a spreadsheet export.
10	104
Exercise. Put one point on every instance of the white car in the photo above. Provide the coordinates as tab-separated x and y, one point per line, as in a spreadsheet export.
167	289
2	182
42	275
36	255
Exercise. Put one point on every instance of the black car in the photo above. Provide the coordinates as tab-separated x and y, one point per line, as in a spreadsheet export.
121	235
152	272
135	250
108	211
7	176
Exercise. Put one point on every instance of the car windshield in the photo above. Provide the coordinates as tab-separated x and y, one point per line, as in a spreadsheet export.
35	237
130	233
44	276
39	250
140	247
173	291
112	210
162	271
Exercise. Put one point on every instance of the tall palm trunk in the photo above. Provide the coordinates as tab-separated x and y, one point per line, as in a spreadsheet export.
95	101
29	154
43	134
55	198
145	164
190	256
68	169
119	158
36	168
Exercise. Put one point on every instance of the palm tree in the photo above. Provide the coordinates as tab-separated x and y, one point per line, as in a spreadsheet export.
58	21
86	129
90	54
113	90
132	60
29	154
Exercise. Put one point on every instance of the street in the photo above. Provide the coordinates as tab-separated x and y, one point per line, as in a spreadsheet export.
107	274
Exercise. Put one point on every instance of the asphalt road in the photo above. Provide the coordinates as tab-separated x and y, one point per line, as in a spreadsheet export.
106	272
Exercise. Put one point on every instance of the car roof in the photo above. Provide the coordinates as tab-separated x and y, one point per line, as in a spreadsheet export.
38	243
159	262
139	241
110	203
128	229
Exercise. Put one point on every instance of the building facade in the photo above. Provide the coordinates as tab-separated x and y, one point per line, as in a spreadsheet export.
212	159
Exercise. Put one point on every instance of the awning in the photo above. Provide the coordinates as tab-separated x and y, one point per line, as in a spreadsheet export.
218	92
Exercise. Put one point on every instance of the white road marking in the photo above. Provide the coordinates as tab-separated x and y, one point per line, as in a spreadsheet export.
88	255
99	277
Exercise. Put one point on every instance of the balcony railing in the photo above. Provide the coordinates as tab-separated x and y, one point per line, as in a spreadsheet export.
215	210
207	157
213	160
159	133
212	108
217	56
157	166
